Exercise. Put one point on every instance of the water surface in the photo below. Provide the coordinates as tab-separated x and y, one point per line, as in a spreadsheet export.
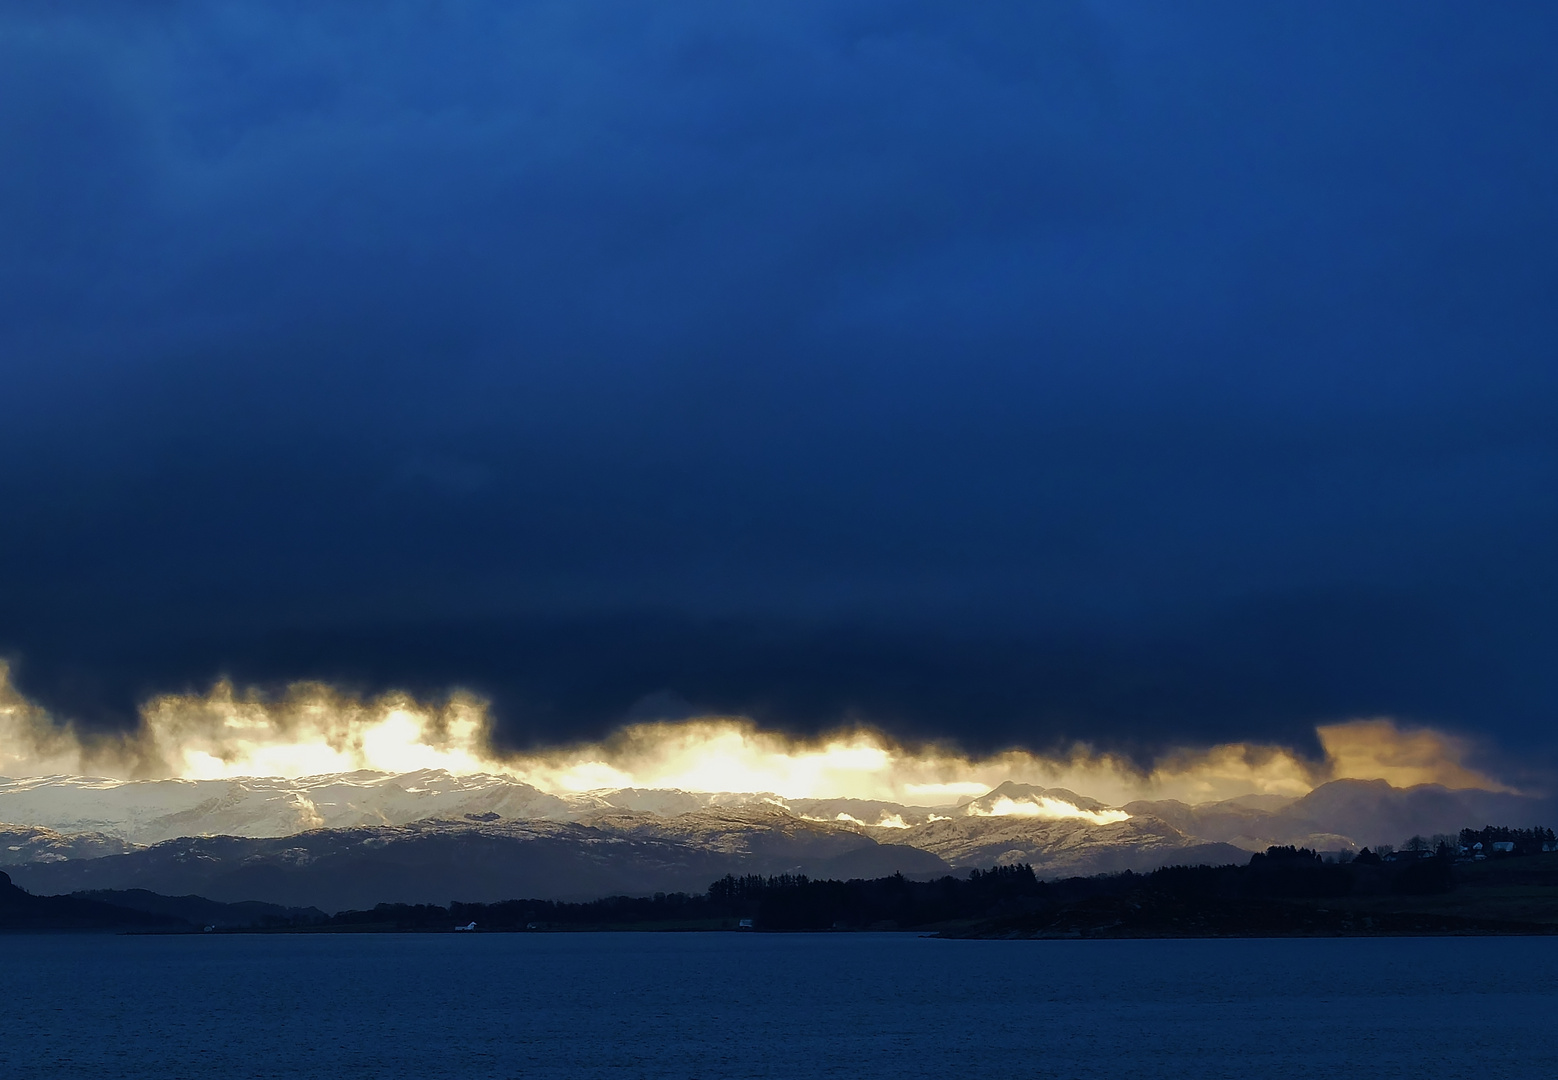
756	1005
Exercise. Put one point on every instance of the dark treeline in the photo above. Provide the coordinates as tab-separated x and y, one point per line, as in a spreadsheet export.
796	902
1526	841
784	902
1286	873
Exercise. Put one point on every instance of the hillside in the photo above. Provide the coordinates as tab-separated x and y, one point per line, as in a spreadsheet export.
435	862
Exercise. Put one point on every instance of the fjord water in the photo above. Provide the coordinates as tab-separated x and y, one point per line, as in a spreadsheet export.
757	1005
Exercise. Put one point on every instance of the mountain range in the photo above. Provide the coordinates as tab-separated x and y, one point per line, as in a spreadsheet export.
137	911
357	839
436	861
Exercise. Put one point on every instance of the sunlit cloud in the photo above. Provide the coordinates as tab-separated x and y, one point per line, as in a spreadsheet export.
732	754
33	744
28	741
1048	809
722	755
886	821
943	793
1379	750
314	729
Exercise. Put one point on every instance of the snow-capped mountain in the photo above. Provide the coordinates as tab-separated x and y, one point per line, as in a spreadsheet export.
149	811
335	839
437	861
21	844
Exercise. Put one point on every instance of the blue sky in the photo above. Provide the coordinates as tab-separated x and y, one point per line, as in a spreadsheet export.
1148	374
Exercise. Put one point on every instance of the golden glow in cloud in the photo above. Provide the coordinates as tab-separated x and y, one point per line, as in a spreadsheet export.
1378	750
1048	809
32	744
314	729
886	821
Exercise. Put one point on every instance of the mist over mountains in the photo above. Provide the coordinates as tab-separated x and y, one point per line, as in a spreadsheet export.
361	838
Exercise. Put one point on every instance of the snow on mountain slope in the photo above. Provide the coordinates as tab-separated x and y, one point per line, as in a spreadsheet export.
34	843
1059	832
762	832
1349	814
149	811
435	861
1061	846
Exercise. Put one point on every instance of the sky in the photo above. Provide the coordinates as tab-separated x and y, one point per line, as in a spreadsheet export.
1149	376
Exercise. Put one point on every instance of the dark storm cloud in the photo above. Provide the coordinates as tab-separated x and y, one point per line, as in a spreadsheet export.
1034	372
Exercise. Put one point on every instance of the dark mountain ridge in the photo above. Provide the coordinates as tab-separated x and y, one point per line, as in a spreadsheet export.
1344	814
436	861
197	911
21	910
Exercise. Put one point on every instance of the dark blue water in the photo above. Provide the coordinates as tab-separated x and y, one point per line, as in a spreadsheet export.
730	1005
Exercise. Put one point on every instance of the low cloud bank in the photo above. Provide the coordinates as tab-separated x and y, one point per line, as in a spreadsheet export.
1049	809
314	729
